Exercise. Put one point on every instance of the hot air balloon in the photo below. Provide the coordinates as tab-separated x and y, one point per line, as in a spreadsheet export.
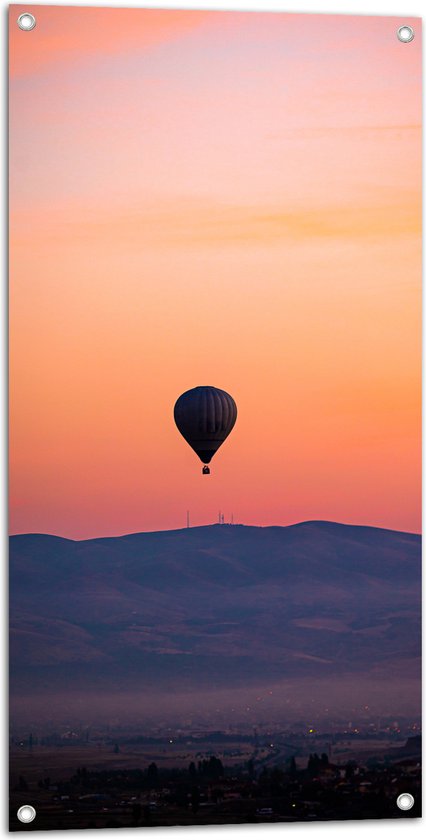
205	416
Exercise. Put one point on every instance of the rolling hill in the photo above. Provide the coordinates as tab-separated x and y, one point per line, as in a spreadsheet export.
219	606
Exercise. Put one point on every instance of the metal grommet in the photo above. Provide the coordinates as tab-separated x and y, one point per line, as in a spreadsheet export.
26	813
26	22
405	801
405	34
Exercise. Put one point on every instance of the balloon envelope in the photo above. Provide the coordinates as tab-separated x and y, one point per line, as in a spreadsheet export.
205	416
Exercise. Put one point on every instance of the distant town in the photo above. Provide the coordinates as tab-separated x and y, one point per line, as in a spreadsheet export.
112	776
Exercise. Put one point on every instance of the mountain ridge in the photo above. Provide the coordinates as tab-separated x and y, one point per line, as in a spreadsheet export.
217	525
216	604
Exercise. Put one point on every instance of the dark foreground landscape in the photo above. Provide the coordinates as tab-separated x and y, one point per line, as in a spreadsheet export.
110	794
220	674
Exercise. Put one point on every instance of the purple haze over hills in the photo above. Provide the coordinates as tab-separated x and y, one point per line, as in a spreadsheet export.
205	615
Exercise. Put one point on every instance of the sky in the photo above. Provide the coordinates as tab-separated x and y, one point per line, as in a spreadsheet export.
213	198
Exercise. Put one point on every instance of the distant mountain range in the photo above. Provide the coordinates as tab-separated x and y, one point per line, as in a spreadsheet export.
219	605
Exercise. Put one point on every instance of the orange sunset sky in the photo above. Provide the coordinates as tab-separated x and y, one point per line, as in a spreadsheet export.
213	198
